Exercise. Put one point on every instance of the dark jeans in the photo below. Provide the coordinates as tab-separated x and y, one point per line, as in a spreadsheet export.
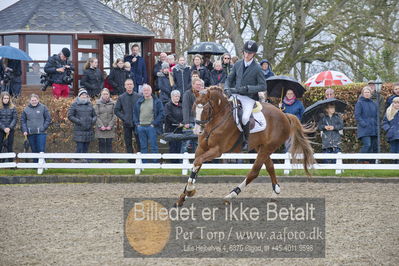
369	145
37	143
148	137
128	133
82	147
105	145
331	150
394	146
175	147
13	87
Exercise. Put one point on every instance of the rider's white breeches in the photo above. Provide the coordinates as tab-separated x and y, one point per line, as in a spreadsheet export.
247	106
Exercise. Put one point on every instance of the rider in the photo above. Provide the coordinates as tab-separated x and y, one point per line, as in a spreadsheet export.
248	78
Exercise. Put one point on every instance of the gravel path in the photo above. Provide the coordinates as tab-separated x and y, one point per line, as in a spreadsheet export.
81	224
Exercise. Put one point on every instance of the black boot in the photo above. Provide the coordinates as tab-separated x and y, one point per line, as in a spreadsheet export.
245	132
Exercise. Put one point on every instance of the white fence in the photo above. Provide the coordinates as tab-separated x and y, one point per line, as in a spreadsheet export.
185	165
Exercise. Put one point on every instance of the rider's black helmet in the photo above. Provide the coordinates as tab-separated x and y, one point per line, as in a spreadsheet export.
250	47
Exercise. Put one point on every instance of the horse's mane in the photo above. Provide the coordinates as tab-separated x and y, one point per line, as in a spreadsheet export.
217	90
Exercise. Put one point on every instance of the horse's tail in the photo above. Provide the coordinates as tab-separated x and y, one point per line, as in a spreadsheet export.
299	142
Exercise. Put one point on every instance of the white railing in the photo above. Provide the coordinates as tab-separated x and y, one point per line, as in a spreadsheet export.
185	165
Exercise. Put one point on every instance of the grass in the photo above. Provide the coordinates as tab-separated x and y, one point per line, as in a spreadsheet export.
209	172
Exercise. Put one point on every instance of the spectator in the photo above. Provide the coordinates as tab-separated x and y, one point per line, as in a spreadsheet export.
33	75
118	76
106	122
292	105
366	118
128	67
93	79
226	63
106	83
330	125
381	102
203	71
148	117
329	93
60	74
35	120
174	121
182	76
391	125
139	70
10	76
188	113
158	67
234	59
395	93
207	62
266	68
172	62
195	75
218	75
82	115
164	83
8	121
124	110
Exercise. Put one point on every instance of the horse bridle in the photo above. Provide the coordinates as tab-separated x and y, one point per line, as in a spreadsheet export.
202	123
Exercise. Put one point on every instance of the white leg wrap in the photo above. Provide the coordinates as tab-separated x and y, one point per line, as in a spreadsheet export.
233	193
190	186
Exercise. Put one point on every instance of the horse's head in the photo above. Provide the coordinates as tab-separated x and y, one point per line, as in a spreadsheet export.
207	104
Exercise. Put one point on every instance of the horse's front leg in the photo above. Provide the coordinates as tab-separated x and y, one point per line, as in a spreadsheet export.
201	156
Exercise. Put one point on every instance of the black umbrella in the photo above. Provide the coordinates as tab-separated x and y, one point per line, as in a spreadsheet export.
26	144
207	48
186	135
277	86
313	112
4	148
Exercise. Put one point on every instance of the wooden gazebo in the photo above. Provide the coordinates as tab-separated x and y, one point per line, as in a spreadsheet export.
88	27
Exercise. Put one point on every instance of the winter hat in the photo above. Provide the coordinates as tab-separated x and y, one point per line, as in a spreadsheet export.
66	52
165	65
81	91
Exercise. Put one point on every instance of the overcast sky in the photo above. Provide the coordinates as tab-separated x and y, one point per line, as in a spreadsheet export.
6	3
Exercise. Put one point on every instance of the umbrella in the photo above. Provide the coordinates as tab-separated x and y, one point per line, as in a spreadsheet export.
4	148
328	78
313	112
207	48
14	53
277	86
186	135
26	144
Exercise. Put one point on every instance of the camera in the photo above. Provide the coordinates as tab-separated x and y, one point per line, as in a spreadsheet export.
67	78
45	80
7	76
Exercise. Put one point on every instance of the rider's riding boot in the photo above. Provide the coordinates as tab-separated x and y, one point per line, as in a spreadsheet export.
245	131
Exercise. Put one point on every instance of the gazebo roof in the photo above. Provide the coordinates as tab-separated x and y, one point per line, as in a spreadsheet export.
67	16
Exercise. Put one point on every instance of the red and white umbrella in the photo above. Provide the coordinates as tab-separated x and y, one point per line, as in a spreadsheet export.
328	78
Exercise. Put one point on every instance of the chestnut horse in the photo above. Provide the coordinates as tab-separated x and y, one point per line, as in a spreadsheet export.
218	134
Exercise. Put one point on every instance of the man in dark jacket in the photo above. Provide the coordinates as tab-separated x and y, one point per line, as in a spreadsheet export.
246	80
164	83
148	117
10	76
158	67
182	76
226	63
124	110
266	68
59	71
188	113
138	67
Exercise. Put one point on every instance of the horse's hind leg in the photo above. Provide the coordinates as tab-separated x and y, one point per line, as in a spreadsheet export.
250	177
270	169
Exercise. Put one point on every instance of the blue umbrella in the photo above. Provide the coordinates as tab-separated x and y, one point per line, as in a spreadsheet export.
207	48
14	53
